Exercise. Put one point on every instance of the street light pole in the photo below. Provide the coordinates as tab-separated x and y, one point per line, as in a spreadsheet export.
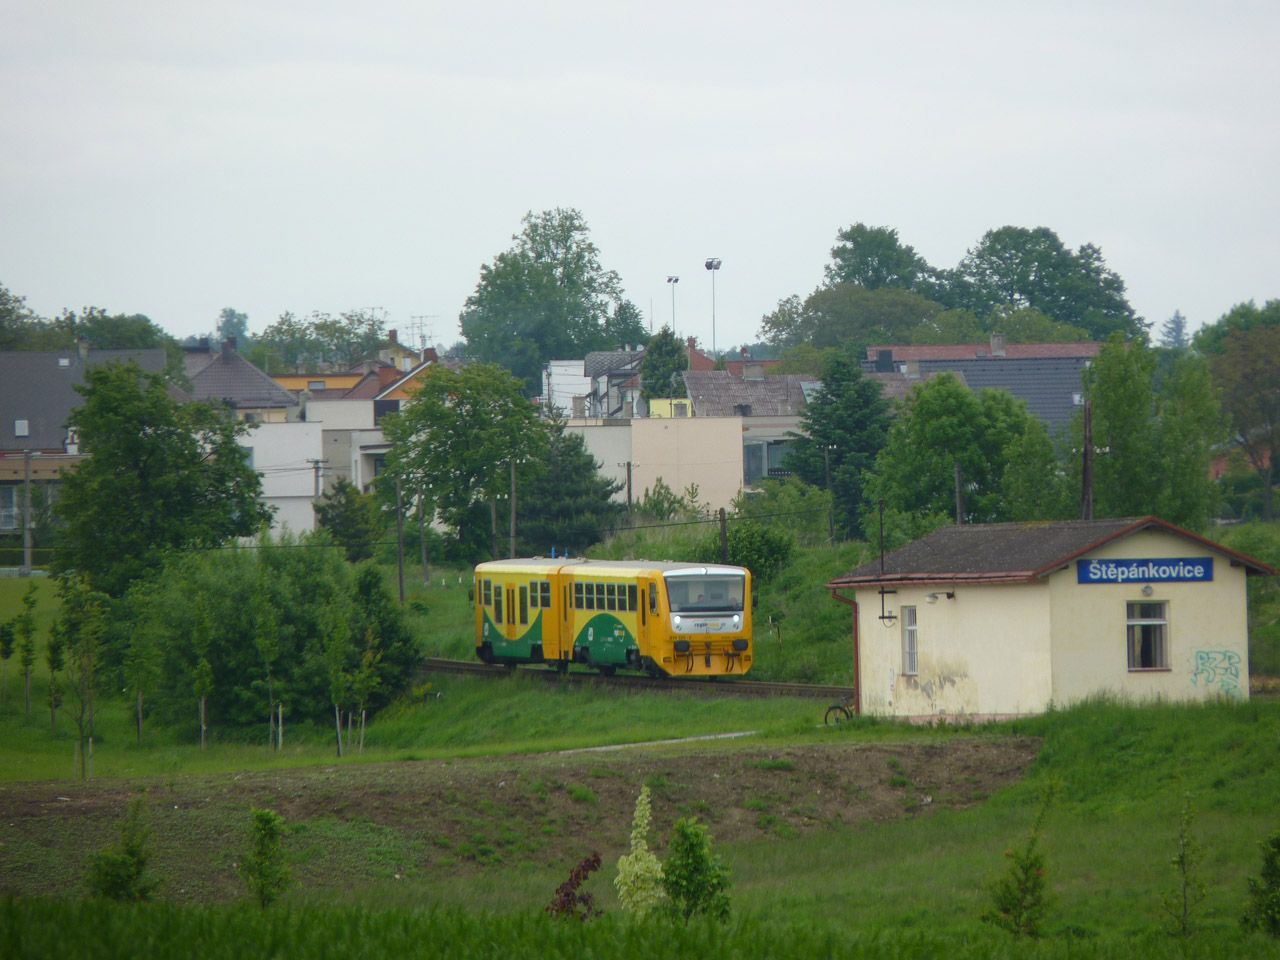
713	265
673	280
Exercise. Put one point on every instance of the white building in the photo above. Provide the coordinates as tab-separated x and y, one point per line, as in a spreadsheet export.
992	620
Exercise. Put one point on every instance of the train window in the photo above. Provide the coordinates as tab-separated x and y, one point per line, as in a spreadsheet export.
631	597
610	596
577	596
497	604
533	594
589	591
642	608
599	596
524	604
488	593
653	599
546	594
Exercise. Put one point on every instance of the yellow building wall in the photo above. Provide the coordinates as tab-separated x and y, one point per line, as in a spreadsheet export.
1207	635
665	408
984	653
332	381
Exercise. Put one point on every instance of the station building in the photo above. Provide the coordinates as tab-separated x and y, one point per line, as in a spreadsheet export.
996	620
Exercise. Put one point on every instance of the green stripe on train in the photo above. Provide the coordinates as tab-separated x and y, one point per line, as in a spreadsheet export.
607	638
519	648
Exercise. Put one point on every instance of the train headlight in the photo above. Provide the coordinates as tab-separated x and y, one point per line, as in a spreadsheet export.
676	620
736	619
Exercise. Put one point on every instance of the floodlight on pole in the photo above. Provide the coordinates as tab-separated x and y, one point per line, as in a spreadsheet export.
713	265
673	280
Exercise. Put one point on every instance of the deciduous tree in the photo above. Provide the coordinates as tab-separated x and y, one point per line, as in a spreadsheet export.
458	435
873	257
547	297
1247	372
158	476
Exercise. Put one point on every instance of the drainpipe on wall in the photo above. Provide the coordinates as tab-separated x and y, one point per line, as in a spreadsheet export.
857	669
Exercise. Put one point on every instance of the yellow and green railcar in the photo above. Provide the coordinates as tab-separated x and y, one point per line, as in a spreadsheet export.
678	619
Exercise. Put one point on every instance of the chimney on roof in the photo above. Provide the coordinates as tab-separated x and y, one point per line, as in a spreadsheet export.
391	336
229	346
997	344
692	342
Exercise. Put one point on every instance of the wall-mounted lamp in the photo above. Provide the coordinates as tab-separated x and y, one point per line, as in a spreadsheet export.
933	597
1147	590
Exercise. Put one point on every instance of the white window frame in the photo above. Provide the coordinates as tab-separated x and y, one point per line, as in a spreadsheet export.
910	642
10	513
1136	625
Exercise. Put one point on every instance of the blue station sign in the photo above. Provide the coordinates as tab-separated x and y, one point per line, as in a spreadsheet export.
1150	570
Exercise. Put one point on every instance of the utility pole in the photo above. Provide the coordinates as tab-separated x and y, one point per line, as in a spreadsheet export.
1086	465
724	537
400	539
831	511
316	467
26	514
512	554
628	465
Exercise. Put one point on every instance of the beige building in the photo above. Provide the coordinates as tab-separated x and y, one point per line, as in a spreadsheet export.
695	451
994	620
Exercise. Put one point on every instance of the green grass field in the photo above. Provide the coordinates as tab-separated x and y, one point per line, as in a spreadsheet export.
910	884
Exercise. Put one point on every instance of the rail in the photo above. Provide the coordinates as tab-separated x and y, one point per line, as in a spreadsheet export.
698	686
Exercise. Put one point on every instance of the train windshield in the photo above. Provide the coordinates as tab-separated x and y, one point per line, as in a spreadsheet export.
706	593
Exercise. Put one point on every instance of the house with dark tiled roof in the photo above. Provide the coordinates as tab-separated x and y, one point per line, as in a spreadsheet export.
1047	377
37	395
994	620
224	376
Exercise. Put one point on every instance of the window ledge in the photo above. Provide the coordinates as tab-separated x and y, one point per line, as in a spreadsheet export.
1151	669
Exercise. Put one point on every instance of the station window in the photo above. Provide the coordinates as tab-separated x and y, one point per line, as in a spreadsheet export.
1148	634
910	637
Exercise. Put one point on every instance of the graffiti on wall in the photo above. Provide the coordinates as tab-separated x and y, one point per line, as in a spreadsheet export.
1217	669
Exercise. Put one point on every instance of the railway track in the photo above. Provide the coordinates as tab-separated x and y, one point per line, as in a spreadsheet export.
696	686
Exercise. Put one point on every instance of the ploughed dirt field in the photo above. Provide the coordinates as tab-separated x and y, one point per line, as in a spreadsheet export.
410	820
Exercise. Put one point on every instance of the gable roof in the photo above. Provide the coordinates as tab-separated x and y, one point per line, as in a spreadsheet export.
1013	552
718	393
40	387
601	362
903	353
227	377
1048	386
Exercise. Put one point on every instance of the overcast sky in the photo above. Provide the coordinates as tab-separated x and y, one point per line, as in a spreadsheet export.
174	158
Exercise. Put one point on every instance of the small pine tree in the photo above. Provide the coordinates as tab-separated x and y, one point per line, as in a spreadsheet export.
8	637
1182	902
1019	898
119	872
263	868
639	879
1263	912
695	881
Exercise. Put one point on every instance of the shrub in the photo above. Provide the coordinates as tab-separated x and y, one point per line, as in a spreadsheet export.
119	872
570	903
1263	912
639	879
263	869
762	550
695	881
